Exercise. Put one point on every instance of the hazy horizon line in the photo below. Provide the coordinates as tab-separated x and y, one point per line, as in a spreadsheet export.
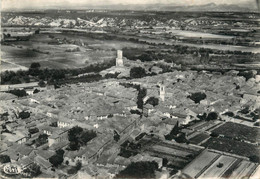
103	6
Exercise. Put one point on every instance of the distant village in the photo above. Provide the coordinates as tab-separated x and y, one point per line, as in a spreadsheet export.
193	124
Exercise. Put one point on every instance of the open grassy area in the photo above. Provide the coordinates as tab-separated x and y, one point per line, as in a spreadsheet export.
232	146
240	131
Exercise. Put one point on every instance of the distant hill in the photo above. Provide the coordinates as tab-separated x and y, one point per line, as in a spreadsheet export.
172	7
245	7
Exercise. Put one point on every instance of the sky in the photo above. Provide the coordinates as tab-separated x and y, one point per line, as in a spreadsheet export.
21	4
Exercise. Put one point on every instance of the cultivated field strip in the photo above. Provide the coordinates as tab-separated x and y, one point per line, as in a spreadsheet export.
202	162
244	169
215	171
170	151
232	168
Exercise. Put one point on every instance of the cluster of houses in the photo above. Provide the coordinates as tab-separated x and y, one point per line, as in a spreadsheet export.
106	107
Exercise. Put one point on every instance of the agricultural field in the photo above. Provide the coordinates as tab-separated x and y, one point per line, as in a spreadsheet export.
243	169
240	131
199	138
95	36
11	66
202	161
211	164
60	51
215	170
172	151
178	155
232	146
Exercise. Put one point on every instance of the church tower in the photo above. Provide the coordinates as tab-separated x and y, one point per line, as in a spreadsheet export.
119	59
162	91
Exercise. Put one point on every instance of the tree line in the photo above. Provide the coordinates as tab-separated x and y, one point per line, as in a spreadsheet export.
35	72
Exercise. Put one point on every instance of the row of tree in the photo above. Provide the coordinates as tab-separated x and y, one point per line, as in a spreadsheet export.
139	170
51	75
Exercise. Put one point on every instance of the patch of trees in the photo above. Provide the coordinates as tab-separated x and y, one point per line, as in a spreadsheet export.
111	75
33	130
197	97
36	91
141	94
35	65
4	159
79	137
176	134
135	112
220	165
42	83
140	136
75	169
212	116
54	124
24	115
207	117
116	136
4	116
132	53
153	101
129	149
15	80
245	110
57	159
37	31
11	77
138	53
42	139
51	75
145	57
229	114
126	153
137	72
254	115
93	68
129	85
251	114
33	170
175	130
214	134
73	50
18	92
139	170
257	124
83	79
254	158
165	67
246	74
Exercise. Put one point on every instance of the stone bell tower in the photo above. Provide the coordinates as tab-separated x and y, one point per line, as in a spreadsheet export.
162	91
119	59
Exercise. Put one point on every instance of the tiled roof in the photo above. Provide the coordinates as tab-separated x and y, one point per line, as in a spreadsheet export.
42	162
